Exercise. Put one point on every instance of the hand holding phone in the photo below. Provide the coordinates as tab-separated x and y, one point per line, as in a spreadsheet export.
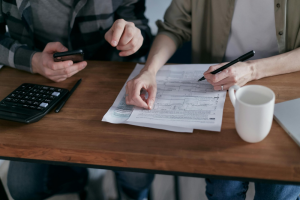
43	62
75	56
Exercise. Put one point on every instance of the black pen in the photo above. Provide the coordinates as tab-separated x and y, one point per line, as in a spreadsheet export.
239	59
59	107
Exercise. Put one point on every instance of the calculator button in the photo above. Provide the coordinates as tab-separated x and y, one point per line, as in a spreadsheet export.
45	96
36	103
23	93
35	90
48	92
40	108
27	89
8	99
15	105
42	91
33	98
25	106
58	90
48	101
33	107
56	94
15	100
29	102
13	95
37	95
30	94
45	88
26	97
19	96
22	101
52	89
23	87
17	91
44	105
51	97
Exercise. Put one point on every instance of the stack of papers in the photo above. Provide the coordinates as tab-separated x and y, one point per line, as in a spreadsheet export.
181	105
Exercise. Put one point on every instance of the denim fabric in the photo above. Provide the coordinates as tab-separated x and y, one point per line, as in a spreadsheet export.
134	185
32	181
236	190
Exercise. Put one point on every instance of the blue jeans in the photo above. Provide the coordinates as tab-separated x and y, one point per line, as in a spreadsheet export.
33	181
236	190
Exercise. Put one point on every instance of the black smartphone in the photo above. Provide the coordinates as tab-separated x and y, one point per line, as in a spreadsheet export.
75	56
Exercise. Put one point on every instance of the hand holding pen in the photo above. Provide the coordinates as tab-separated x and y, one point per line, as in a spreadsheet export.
224	75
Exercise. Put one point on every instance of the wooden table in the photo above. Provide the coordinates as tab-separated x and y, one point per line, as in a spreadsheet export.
77	136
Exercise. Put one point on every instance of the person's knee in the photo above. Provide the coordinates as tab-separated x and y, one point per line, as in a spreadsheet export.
267	191
22	191
135	181
225	189
24	181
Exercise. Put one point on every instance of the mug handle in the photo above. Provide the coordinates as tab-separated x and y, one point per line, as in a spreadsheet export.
232	95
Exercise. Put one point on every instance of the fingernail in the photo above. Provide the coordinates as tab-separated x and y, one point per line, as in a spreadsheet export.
83	64
70	63
150	105
64	49
114	43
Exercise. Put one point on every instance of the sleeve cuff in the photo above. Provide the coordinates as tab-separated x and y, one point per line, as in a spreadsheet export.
23	57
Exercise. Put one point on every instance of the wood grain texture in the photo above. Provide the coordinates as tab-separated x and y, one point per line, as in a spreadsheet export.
77	134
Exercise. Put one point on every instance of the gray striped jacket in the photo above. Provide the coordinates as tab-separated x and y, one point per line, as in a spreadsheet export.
87	29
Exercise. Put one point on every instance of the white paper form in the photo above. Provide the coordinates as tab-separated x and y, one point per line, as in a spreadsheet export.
120	112
183	101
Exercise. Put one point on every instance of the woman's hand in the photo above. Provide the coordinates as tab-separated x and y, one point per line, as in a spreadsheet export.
238	74
145	80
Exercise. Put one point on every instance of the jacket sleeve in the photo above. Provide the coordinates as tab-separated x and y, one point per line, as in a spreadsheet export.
133	11
12	53
177	22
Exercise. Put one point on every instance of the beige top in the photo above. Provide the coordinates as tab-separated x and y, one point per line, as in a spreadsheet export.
207	24
252	28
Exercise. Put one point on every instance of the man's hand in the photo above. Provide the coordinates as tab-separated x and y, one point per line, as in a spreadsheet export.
238	74
145	80
42	63
125	37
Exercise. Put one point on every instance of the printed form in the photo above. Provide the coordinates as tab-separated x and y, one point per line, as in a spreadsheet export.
183	101
120	111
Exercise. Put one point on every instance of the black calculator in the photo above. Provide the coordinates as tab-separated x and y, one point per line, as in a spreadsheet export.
30	102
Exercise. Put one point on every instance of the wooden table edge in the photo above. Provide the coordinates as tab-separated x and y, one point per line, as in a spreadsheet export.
162	172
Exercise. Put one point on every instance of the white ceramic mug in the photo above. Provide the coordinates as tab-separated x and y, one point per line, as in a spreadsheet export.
253	110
